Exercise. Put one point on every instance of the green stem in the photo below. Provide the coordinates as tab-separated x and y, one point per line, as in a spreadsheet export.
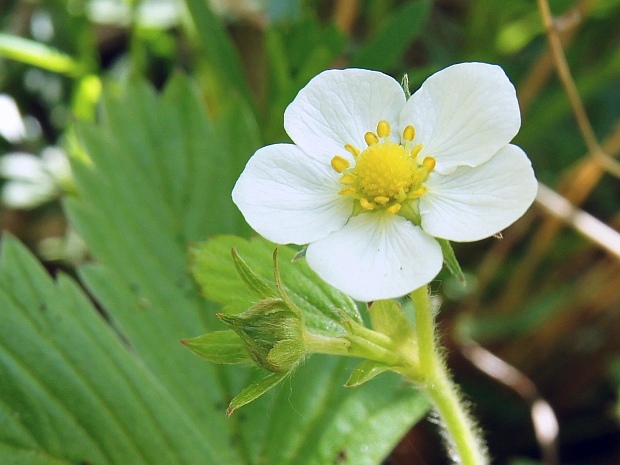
425	329
456	420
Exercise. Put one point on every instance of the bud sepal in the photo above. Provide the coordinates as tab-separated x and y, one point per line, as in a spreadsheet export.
273	334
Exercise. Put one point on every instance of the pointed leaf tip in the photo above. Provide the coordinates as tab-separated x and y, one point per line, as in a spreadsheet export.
224	347
364	372
255	390
450	260
255	284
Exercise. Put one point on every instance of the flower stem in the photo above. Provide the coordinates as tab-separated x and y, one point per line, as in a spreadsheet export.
460	427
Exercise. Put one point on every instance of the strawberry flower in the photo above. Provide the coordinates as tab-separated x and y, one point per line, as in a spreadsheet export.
373	178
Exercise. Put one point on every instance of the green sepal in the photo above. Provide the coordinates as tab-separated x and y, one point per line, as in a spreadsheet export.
366	371
301	253
270	326
219	347
450	260
387	317
281	290
255	284
255	390
285	353
404	83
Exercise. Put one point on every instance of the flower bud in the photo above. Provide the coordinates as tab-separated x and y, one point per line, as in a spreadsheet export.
272	332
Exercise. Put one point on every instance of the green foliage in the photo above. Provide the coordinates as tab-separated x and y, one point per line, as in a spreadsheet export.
219	347
70	390
322	305
450	260
388	318
366	371
218	49
399	29
35	53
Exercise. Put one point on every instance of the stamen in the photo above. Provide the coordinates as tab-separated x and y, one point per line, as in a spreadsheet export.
386	174
347	191
429	163
347	180
416	150
418	192
371	138
394	208
409	133
352	150
340	164
383	129
366	205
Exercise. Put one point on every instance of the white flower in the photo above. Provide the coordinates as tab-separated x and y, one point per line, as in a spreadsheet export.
32	180
372	178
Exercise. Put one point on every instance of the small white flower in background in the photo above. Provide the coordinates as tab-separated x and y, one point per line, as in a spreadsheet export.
31	180
373	178
69	248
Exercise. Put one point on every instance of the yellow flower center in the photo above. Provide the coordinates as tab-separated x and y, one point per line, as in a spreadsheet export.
386	174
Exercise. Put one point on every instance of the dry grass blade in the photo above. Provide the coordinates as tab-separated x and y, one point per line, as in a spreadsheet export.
546	427
589	137
592	228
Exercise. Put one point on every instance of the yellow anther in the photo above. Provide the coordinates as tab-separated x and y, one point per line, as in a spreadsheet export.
383	129
366	205
416	150
409	133
340	164
429	163
394	208
347	180
371	138
347	191
381	200
352	150
418	192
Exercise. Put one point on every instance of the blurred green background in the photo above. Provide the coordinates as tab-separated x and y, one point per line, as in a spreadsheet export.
545	299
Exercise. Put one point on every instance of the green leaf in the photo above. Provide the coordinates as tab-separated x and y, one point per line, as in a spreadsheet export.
255	284
364	372
383	49
37	54
70	390
388	318
450	260
159	177
218	48
320	303
255	390
219	347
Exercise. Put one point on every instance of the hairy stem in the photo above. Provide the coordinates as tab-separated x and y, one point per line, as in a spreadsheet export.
465	446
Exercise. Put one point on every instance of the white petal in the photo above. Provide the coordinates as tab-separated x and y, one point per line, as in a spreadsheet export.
56	163
12	126
288	197
338	107
25	195
463	114
22	166
376	256
473	203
